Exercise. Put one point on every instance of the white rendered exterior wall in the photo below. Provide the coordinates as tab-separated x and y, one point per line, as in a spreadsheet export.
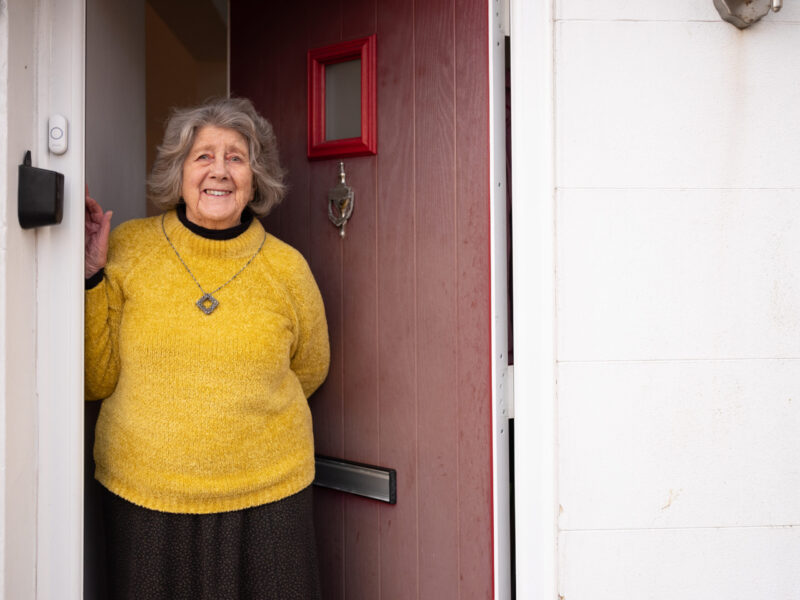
676	236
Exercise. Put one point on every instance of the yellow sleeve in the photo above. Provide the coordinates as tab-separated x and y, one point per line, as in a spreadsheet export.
311	352
103	305
103	310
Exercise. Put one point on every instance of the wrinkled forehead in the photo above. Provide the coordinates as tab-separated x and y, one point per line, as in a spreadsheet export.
212	137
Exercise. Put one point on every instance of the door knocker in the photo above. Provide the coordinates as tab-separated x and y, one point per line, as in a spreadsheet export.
340	202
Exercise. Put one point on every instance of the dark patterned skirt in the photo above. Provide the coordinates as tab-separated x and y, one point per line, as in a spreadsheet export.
261	553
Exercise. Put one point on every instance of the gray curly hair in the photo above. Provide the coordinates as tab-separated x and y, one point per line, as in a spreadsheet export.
239	114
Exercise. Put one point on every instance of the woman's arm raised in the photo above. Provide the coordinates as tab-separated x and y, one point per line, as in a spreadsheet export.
98	226
103	300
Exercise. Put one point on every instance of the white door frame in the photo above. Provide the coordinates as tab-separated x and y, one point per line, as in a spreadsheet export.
41	307
17	307
60	76
535	452
501	505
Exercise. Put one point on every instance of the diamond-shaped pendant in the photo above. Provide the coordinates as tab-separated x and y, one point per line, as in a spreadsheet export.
207	303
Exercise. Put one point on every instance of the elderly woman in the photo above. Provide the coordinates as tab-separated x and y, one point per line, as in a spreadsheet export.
205	336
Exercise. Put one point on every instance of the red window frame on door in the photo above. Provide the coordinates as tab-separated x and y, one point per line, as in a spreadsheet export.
367	143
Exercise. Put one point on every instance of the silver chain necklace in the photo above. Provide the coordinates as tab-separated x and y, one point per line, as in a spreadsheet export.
207	303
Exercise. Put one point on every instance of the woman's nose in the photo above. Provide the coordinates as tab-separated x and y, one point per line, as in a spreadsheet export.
219	168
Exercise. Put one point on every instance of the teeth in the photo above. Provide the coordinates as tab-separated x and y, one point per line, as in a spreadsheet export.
216	193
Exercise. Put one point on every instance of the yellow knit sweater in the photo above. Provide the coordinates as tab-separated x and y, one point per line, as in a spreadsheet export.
203	413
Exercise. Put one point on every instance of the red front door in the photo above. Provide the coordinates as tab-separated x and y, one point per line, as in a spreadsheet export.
407	291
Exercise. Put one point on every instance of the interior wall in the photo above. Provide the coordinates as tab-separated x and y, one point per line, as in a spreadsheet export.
175	78
115	106
678	295
115	174
406	291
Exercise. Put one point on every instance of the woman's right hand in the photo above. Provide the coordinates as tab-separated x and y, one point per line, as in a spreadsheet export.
98	226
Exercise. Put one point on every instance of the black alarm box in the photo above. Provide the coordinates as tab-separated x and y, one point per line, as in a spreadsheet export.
40	196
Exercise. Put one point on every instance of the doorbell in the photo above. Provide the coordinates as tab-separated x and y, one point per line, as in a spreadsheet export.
57	134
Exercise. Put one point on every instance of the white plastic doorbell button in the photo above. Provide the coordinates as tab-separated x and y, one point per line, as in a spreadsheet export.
57	134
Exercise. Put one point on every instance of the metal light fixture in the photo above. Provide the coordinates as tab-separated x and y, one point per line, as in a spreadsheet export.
743	13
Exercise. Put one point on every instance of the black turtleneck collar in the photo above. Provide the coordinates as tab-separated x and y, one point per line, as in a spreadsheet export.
216	234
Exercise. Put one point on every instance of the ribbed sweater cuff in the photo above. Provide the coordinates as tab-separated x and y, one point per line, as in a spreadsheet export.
94	280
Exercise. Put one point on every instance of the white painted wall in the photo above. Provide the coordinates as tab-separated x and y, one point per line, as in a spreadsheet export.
533	197
676	186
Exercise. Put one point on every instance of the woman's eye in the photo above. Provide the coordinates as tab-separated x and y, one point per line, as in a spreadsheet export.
235	158
203	157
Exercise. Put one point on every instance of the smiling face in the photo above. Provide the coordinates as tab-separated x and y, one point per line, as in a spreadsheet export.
217	179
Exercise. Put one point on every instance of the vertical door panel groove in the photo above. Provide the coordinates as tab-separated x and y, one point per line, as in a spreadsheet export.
397	296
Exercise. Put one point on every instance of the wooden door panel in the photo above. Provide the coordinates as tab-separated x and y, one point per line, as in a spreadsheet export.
397	259
290	89
323	23
406	292
359	18
328	403
325	255
359	316
474	333
360	379
329	521
437	375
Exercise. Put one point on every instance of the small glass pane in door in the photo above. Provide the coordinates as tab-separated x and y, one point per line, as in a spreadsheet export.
343	100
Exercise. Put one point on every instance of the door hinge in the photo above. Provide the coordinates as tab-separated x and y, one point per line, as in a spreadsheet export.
502	16
509	391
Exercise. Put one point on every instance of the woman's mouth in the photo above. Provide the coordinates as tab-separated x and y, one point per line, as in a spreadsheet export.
217	193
